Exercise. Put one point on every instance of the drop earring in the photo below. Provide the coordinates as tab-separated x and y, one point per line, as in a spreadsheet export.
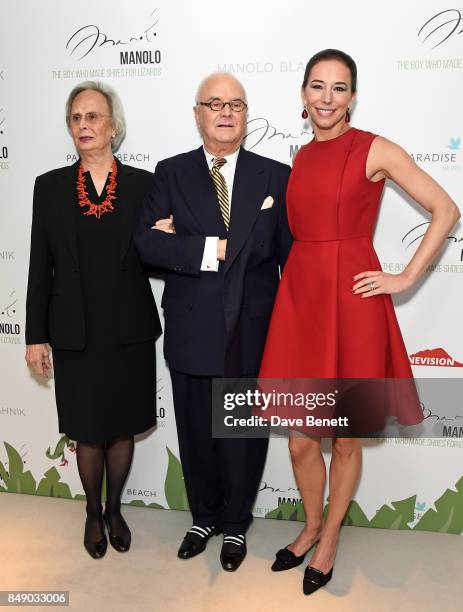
305	114
347	117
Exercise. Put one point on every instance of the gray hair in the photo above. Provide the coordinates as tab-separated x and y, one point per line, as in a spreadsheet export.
114	103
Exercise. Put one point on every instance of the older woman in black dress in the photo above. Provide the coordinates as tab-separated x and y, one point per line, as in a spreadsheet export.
90	300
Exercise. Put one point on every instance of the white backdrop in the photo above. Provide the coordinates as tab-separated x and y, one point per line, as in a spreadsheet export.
409	91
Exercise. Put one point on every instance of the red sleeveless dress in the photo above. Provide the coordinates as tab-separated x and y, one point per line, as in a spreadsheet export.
319	328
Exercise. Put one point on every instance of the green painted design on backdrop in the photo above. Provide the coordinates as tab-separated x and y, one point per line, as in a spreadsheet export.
51	487
355	515
397	517
287	512
174	486
446	518
16	480
63	443
139	503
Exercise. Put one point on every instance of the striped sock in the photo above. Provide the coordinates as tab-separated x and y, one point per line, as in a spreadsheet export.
239	540
203	532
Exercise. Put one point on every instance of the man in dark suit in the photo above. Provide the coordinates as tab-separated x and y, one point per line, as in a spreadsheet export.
222	255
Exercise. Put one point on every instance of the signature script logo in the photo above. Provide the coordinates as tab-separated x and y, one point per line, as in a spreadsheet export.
417	232
428	414
437	30
88	38
259	130
10	307
267	487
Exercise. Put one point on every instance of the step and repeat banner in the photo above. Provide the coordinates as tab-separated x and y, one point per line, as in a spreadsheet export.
154	53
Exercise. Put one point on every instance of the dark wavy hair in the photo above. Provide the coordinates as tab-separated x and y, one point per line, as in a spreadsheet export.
329	54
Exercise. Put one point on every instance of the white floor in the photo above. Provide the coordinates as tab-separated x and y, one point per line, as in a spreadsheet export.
376	570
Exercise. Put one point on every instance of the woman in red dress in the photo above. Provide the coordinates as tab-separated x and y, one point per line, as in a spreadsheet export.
333	316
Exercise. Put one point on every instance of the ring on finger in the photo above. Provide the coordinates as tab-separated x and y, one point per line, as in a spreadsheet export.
371	286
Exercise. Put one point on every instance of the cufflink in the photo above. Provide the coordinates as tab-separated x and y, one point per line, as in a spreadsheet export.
267	203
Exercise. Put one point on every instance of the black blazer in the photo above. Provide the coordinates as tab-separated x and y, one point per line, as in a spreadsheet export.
54	309
216	322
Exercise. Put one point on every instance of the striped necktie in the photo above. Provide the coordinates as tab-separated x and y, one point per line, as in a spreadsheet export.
221	188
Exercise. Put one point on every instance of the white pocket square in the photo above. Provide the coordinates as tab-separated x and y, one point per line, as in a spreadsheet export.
267	203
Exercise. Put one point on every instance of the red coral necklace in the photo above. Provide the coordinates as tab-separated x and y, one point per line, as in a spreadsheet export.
97	209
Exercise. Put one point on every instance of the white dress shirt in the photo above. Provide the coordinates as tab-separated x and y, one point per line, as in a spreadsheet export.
210	263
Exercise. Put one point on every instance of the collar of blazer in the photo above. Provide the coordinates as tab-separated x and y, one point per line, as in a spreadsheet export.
122	205
249	190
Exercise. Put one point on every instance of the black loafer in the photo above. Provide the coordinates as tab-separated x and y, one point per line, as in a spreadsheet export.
121	543
96	550
233	552
286	559
314	579
195	541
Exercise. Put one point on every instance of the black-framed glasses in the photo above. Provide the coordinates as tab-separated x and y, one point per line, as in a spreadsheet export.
217	105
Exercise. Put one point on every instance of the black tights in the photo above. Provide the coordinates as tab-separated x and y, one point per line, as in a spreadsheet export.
92	459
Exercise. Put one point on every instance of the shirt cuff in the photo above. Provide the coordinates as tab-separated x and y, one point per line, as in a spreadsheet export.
210	262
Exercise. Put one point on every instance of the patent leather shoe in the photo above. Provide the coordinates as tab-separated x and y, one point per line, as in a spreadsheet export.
233	552
96	550
120	542
195	541
315	579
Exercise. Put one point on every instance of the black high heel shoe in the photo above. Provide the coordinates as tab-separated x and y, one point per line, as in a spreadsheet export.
286	559
96	550
121	543
315	579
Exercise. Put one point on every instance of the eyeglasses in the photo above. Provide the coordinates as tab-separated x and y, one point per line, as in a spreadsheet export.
217	105
91	118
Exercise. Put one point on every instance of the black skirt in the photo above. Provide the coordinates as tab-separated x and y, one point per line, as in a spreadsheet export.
107	390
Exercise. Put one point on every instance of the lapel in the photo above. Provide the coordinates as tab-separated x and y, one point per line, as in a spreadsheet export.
125	206
67	206
202	197
125	203
249	186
